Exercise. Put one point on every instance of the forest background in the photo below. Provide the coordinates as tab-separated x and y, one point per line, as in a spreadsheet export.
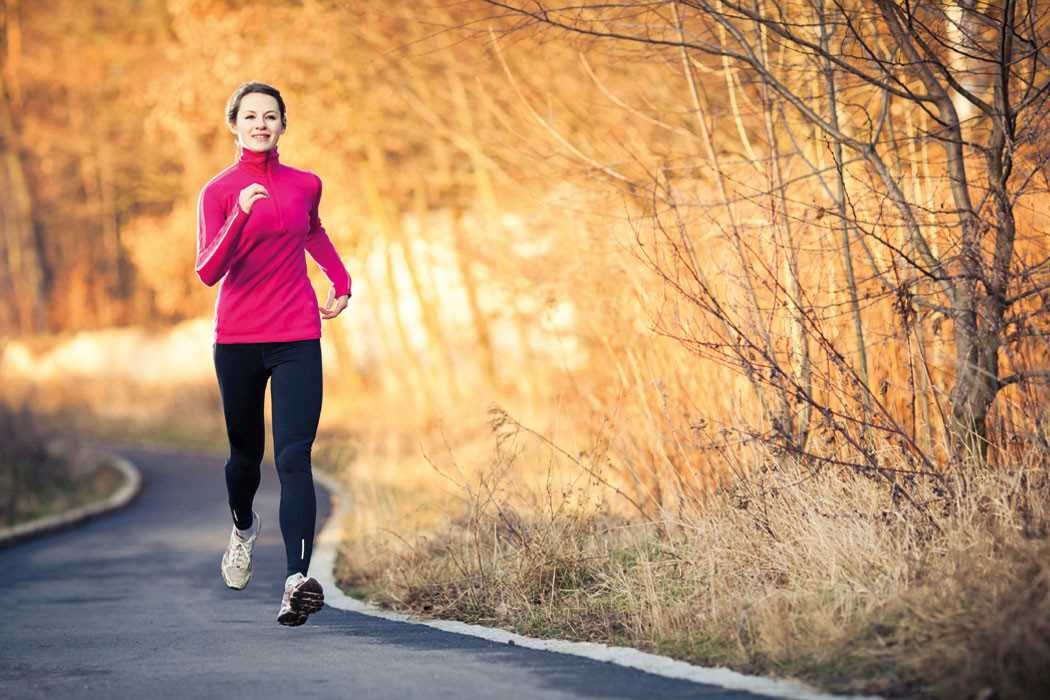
714	328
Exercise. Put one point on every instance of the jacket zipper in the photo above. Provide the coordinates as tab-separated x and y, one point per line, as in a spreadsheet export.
273	196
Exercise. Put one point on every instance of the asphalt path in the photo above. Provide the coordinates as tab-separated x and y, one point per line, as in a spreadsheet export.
131	605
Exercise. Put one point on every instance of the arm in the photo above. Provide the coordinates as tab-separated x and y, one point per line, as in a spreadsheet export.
323	252
217	236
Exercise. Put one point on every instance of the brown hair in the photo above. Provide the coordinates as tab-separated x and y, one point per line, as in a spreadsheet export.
234	103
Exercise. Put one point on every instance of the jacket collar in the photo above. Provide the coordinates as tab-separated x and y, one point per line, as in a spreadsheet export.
259	161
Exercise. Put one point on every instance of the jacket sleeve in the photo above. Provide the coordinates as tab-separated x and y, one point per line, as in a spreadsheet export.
217	234
323	252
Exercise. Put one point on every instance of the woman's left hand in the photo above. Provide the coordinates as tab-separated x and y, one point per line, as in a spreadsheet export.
334	306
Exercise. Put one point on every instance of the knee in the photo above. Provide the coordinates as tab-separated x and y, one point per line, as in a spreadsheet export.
294	456
247	459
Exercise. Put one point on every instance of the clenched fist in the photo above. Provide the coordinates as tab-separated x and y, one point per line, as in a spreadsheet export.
249	195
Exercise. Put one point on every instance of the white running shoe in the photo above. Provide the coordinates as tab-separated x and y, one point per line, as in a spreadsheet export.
303	595
237	559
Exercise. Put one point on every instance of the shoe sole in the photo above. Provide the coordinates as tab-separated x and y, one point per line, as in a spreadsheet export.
306	599
291	618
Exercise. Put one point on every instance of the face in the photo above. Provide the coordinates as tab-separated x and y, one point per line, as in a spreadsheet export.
258	126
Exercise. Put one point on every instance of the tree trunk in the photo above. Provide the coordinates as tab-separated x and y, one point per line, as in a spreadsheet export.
961	28
486	195
24	258
844	225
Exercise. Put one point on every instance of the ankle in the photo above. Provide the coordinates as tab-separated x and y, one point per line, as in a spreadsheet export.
246	534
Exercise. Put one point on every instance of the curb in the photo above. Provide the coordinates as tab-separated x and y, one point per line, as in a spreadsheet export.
60	521
323	566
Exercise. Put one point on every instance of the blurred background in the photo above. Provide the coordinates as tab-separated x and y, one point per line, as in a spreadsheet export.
633	303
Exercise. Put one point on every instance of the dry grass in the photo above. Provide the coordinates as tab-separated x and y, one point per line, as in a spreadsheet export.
62	492
820	576
42	474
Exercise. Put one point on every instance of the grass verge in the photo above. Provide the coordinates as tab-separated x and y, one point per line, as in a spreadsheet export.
827	577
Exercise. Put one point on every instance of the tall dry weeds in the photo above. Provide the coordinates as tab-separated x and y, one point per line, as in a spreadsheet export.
824	575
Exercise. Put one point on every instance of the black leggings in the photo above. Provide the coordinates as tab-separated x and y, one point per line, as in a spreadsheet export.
295	395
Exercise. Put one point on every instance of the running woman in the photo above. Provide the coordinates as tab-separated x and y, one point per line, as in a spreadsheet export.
254	220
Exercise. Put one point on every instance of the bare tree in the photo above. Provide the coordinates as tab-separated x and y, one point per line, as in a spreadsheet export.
25	272
881	62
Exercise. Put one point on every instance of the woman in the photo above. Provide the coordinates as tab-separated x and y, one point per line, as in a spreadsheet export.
254	220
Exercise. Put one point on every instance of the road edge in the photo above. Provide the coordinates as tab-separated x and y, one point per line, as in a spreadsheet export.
120	498
323	569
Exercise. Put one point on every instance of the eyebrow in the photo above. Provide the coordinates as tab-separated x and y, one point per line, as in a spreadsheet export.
269	111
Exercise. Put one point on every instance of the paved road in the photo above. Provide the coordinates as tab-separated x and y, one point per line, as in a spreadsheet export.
131	605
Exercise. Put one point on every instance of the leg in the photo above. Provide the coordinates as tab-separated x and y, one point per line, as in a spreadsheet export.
242	383
296	400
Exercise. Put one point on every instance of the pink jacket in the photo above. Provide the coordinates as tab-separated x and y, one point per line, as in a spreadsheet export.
265	293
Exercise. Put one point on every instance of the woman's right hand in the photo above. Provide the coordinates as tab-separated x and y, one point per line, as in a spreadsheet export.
248	196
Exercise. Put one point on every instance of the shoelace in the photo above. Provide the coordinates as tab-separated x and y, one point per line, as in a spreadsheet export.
240	553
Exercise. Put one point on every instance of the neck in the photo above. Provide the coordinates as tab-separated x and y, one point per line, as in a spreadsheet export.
259	161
